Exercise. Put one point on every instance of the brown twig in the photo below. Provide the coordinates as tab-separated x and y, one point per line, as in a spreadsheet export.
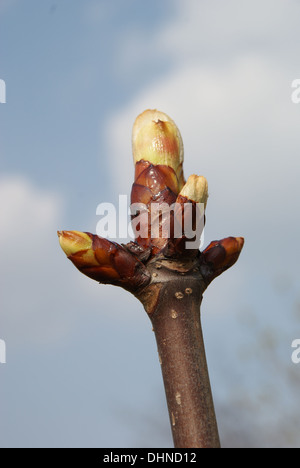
173	301
164	274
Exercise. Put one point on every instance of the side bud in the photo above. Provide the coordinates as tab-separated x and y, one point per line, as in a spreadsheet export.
219	256
103	260
189	217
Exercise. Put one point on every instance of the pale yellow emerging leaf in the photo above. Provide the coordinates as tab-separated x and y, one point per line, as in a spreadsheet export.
196	189
74	241
156	138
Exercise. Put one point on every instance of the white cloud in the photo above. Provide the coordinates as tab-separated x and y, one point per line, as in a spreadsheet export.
239	129
229	91
28	216
43	297
207	32
217	27
26	212
28	250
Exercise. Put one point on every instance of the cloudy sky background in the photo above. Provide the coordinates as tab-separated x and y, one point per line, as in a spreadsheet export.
82	367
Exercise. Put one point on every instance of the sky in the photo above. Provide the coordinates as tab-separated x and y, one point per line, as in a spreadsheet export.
82	367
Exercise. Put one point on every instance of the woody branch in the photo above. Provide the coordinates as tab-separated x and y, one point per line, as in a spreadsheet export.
164	273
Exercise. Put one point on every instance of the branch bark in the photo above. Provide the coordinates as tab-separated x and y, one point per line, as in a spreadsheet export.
172	301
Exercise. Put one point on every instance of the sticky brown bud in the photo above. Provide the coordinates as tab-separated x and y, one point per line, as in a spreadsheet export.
103	260
220	255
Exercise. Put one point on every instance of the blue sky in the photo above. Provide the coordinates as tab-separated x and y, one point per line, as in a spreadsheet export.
82	367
